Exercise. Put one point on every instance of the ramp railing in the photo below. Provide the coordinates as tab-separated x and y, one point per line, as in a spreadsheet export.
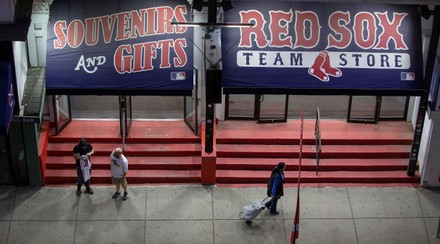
295	231
318	139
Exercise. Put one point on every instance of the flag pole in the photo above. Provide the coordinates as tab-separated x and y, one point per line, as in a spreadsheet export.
295	230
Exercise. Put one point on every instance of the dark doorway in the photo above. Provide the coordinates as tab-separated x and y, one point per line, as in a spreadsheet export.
63	115
371	109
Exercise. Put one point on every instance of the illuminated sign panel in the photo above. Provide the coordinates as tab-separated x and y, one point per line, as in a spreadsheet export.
303	45
102	46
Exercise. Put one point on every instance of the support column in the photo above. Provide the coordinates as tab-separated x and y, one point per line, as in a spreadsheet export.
432	53
209	161
429	166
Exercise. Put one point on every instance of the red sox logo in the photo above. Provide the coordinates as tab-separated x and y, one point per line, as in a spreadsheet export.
322	69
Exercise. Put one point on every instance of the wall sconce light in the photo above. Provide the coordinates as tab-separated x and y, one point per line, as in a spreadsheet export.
197	5
226	5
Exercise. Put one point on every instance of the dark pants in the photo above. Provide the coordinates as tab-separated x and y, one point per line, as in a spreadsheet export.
80	178
272	204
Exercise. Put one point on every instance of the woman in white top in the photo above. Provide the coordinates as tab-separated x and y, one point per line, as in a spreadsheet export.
119	166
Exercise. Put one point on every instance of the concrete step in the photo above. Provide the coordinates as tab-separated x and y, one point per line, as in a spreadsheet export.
312	141
253	176
75	139
103	176
309	151
135	163
131	150
309	164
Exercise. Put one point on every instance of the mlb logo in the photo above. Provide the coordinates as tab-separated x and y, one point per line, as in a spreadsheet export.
408	76
178	76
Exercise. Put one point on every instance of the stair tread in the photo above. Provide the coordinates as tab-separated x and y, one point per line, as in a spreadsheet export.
132	150
131	160
312	141
312	161
135	163
131	173
249	176
312	174
309	164
129	147
93	140
309	148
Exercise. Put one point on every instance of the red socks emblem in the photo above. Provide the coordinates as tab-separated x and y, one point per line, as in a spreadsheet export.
322	68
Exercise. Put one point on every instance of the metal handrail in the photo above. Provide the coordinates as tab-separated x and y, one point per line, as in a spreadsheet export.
122	120
129	117
318	139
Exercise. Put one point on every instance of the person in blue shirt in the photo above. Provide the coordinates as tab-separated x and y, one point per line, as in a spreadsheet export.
275	187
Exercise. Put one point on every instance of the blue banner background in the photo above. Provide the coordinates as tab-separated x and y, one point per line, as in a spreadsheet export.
6	103
63	79
435	81
267	78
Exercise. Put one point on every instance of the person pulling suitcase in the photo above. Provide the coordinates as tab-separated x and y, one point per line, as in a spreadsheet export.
275	188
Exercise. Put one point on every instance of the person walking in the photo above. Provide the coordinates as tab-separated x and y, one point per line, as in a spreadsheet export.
119	167
82	153
275	187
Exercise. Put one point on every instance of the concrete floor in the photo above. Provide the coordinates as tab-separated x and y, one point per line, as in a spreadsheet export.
197	214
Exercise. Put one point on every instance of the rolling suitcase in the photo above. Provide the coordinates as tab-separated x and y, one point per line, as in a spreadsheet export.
251	211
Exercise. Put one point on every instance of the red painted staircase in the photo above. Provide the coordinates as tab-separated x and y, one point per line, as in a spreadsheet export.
351	153
167	152
154	157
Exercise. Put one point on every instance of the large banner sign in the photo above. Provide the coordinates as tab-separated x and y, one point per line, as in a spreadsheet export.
303	46
7	100
434	93
112	46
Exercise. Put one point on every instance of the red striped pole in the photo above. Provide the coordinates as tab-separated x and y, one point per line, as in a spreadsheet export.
295	230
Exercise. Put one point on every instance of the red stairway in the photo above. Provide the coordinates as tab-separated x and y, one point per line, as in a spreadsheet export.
158	152
365	154
167	152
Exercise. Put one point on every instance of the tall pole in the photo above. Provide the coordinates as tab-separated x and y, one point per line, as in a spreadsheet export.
212	73
295	230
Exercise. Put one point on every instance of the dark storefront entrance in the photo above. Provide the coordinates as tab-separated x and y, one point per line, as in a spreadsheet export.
278	108
264	108
125	109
